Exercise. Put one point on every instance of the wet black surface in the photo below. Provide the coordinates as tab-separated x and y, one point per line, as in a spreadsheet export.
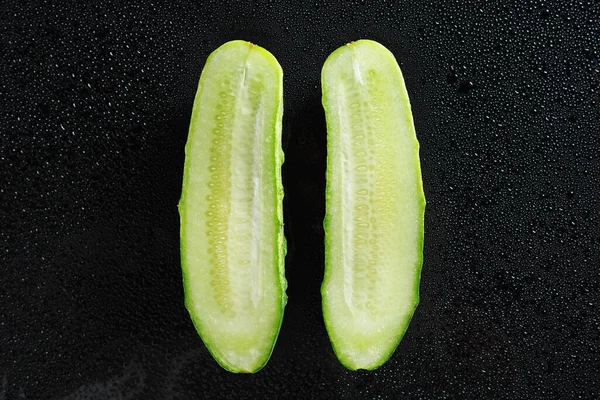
94	105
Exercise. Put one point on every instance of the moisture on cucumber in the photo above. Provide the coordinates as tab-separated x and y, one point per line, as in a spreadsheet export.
232	241
374	205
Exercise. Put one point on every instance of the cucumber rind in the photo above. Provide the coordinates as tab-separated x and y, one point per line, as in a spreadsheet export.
349	361
281	250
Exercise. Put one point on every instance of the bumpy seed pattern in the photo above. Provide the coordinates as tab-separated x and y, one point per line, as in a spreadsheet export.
232	239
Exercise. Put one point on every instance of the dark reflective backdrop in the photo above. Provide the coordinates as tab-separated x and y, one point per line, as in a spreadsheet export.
95	99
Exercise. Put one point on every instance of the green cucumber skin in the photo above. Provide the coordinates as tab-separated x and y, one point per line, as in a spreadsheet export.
329	311
275	120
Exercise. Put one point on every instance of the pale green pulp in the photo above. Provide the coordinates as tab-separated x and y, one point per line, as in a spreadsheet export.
232	242
374	205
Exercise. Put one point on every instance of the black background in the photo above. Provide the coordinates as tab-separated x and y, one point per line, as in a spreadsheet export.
95	102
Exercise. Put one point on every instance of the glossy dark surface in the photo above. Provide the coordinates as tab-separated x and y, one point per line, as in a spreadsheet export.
95	101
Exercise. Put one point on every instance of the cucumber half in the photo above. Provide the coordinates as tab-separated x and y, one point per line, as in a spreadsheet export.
374	205
232	241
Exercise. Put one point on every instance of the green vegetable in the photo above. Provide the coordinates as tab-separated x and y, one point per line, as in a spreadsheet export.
375	205
232	241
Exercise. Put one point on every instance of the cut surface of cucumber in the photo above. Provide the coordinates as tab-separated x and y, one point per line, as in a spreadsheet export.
374	205
232	241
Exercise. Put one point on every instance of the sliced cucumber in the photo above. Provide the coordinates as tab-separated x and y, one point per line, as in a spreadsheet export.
375	205
232	241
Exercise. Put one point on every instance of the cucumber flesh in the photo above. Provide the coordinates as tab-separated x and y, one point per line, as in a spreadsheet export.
374	205
232	242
